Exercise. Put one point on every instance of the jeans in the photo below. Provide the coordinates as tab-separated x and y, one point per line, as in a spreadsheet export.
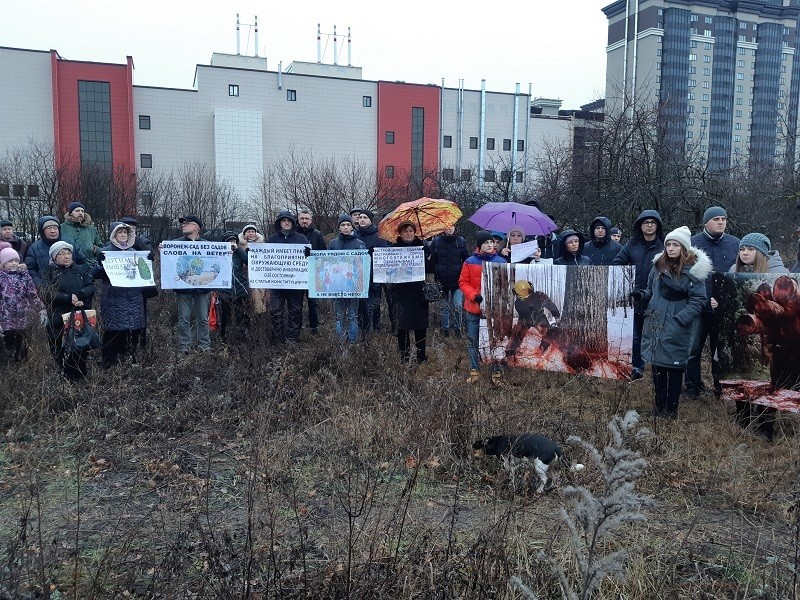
451	310
346	310
199	303
473	323
704	328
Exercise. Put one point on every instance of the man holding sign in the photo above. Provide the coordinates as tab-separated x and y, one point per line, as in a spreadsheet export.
285	304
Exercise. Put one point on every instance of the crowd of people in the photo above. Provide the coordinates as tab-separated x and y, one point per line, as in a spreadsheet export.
673	298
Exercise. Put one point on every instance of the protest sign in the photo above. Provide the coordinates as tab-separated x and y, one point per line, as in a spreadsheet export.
195	265
566	319
398	265
277	266
520	252
128	268
338	274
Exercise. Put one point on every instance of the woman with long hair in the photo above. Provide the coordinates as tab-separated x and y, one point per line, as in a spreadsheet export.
674	297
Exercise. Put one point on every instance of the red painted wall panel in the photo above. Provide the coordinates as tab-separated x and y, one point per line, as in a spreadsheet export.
395	101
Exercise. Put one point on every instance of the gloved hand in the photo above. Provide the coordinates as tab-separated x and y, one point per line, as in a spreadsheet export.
42	318
101	256
307	251
478	299
637	295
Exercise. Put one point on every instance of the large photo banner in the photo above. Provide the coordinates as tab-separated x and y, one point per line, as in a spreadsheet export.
338	274
758	321
128	268
195	265
568	319
398	265
277	266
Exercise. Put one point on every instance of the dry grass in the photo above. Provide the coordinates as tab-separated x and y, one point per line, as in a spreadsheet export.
318	471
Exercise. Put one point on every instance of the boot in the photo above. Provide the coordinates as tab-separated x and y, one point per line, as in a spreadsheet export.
497	378
474	376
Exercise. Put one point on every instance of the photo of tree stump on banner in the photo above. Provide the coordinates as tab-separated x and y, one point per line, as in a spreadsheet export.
569	319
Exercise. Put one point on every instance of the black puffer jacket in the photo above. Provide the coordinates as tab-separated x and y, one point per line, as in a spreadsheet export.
369	235
314	237
347	242
567	258
293	237
58	284
448	253
639	252
240	288
602	251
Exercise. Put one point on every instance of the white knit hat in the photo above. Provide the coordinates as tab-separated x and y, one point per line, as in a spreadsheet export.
682	235
58	247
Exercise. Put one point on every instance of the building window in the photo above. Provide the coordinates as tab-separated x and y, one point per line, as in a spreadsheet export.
291	95
94	121
388	170
737	126
658	67
690	108
708	20
706	33
490	143
739	88
518	176
520	145
704	98
447	174
692	56
507	145
390	137
704	110
785	31
33	191
737	138
366	101
473	143
466	175
18	190
739	102
740	76
690	121
706	45
693	44
694	18
706	71
447	142
741	51
4	190
505	176
706	58
689	135
703	122
658	51
233	89
489	175
742	25
692	83
144	121
740	64
706	85
690	96
146	161
738	113
692	70
417	174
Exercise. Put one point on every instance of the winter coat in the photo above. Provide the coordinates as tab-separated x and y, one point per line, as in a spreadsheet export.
37	257
602	251
410	306
19	301
347	242
58	286
774	264
566	257
240	288
18	244
259	297
722	251
369	235
293	237
448	253
84	233
469	281
672	305
196	292
314	237
639	252
121	309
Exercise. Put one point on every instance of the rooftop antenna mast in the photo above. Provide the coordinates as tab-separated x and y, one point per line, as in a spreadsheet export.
239	34
335	46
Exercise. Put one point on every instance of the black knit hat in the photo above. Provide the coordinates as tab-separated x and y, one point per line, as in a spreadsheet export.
482	237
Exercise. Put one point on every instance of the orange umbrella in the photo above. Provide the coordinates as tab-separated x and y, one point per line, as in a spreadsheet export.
430	216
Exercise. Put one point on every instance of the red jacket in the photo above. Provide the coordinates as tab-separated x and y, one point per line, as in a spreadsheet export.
469	282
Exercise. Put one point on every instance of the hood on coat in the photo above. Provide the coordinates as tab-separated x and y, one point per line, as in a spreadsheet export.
636	235
699	270
87	220
42	220
562	241
605	222
284	214
259	239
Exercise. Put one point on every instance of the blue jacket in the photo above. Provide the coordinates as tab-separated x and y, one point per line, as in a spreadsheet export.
347	242
37	257
722	251
121	309
639	252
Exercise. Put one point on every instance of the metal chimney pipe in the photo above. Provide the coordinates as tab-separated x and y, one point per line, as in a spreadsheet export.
280	75
319	44
349	49
335	51
238	36
256	54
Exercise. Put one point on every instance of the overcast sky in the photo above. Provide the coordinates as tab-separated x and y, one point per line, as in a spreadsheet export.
558	46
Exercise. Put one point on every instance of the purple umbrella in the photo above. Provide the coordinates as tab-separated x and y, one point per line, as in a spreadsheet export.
502	216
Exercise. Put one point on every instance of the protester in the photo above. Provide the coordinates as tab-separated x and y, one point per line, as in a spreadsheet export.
646	241
674	297
286	306
78	226
369	308
65	286
601	249
412	309
140	242
122	309
19	307
571	245
448	253
193	305
756	256
259	297
616	235
317	241
233	310
499	240
7	235
469	282
346	309
722	248
37	257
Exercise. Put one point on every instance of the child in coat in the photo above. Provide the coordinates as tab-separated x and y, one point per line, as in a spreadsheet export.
19	306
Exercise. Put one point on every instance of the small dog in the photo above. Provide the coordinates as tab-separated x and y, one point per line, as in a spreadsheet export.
542	452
